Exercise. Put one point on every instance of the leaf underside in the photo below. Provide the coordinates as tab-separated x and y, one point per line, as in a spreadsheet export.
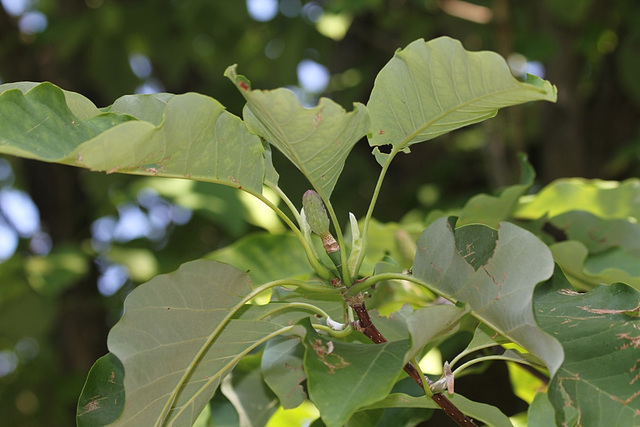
431	88
499	291
173	345
184	136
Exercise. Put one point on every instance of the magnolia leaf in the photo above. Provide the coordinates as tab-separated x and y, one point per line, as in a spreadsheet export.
343	377
283	371
541	413
255	403
488	414
499	291
574	257
184	136
176	341
431	88
605	199
429	323
102	399
597	383
266	257
600	235
491	210
317	140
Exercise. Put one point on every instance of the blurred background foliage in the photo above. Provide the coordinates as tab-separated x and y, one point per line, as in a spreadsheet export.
74	243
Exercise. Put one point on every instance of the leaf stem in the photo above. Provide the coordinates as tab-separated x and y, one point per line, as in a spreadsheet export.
372	204
372	280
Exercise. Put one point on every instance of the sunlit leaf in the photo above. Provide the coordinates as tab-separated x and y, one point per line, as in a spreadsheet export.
317	140
599	250
499	292
175	345
573	256
185	136
605	199
431	88
597	383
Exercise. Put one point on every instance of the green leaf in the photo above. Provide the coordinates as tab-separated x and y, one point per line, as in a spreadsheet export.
608	250
429	323
597	383
176	342
185	136
480	411
573	257
498	292
283	371
491	210
246	390
605	199
343	377
266	257
431	88
541	413
317	140
102	399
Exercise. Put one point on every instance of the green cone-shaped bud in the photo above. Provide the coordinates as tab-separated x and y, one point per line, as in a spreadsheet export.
316	213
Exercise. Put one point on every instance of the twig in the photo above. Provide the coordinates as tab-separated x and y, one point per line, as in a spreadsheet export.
367	327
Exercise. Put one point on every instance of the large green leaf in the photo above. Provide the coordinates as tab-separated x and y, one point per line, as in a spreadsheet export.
499	290
343	377
317	140
176	341
597	383
186	136
431	88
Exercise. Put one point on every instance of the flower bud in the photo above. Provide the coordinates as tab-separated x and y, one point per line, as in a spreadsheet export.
315	213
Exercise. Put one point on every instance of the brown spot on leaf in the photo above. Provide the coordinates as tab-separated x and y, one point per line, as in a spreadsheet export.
244	86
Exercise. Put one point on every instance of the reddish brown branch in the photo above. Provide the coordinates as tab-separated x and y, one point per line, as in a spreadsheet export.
367	327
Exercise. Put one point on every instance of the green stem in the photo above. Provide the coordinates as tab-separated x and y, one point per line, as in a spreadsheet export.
287	201
372	204
372	280
296	305
458	371
338	334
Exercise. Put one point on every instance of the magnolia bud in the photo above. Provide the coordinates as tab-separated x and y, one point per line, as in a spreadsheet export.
316	213
318	220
